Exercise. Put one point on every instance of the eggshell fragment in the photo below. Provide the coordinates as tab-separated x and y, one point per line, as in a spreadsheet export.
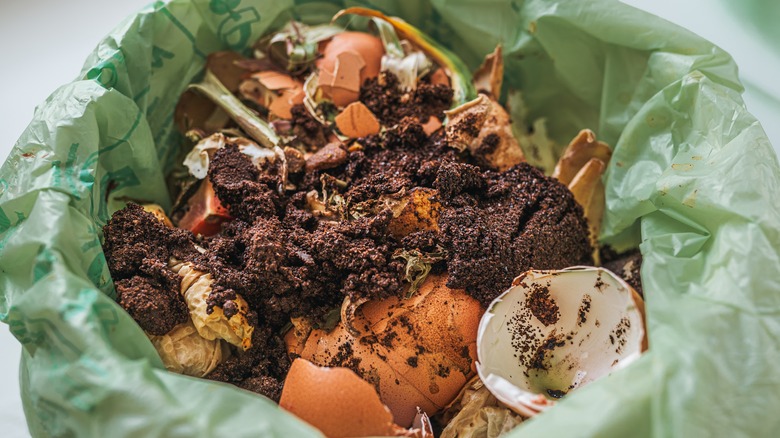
418	352
439	77
282	106
336	401
340	348
275	81
356	121
348	59
277	91
368	46
432	125
555	331
342	85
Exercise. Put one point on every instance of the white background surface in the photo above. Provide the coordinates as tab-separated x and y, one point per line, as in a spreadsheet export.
44	42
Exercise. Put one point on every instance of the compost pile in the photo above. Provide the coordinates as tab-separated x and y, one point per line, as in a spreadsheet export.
338	191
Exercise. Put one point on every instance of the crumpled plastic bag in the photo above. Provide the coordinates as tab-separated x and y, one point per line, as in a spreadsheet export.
693	181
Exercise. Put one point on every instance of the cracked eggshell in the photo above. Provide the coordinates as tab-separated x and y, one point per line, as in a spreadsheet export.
336	401
368	46
341	404
555	331
348	59
417	352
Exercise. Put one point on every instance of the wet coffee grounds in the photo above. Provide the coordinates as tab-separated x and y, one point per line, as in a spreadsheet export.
382	96
327	238
542	305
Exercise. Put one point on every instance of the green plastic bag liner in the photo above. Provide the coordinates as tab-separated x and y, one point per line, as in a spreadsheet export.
693	181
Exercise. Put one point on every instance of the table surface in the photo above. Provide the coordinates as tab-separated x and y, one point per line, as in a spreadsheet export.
44	43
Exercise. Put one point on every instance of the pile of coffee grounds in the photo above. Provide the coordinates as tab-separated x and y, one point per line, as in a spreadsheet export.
137	248
289	259
261	369
382	96
306	129
497	225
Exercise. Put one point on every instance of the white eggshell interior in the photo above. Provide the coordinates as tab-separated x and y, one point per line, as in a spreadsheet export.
599	328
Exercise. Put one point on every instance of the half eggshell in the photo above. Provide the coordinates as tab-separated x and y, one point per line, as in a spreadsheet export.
555	331
341	404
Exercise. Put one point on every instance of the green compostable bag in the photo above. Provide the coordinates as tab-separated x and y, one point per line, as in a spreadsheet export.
693	182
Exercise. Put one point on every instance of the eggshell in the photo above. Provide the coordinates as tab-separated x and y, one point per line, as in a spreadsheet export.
439	77
357	121
369	360
348	59
443	321
418	352
336	401
586	323
277	91
432	125
282	106
368	46
275	81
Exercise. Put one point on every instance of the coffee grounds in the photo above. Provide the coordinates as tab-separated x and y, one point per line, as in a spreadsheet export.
384	98
137	247
627	265
523	220
311	133
153	302
286	262
260	369
542	305
248	192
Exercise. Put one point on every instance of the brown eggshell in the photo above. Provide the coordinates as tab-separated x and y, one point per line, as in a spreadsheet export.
276	81
432	125
443	320
356	121
369	359
418	352
368	46
295	338
342	85
282	106
336	401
